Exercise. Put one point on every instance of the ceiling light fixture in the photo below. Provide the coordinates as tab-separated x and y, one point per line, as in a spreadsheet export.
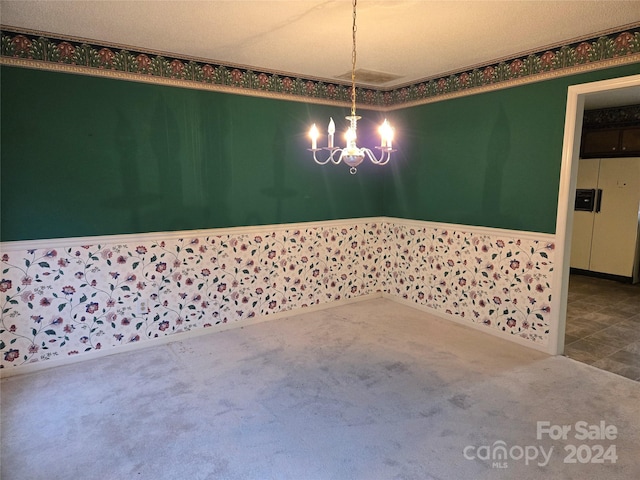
352	155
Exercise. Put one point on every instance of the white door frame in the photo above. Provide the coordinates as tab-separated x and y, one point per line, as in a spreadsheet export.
576	96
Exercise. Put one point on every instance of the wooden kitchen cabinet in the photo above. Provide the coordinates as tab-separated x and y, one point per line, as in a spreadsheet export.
611	142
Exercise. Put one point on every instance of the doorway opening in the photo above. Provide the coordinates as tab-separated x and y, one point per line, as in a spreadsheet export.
608	93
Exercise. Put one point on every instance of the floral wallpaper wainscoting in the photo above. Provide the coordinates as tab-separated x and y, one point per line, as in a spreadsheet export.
498	280
69	297
67	301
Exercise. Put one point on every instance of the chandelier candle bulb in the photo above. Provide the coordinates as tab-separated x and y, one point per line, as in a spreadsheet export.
331	131
386	134
313	133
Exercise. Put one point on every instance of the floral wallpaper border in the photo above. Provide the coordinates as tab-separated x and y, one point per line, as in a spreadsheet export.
16	44
64	301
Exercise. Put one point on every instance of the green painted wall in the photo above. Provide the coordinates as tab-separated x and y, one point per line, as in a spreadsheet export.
91	156
491	159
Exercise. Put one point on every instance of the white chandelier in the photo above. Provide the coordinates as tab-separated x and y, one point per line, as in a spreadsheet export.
352	155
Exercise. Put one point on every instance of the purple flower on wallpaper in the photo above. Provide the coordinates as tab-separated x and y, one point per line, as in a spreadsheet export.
514	264
92	307
511	322
51	254
141	250
161	267
5	285
11	355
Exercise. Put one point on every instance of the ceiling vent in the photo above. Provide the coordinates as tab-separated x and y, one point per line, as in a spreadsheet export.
370	77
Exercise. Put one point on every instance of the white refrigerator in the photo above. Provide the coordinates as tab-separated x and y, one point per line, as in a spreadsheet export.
606	219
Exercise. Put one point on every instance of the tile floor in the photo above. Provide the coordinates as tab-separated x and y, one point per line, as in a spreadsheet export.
603	325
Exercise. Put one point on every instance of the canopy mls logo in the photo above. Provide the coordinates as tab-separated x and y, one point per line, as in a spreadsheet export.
499	453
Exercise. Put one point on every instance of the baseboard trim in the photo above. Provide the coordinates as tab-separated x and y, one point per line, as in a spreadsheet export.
474	326
176	337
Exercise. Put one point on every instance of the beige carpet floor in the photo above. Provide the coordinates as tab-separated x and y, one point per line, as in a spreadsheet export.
370	390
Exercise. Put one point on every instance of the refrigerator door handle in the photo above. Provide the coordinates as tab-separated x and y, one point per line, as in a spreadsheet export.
598	200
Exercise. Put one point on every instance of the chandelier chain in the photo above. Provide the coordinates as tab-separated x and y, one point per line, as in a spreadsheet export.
353	63
352	155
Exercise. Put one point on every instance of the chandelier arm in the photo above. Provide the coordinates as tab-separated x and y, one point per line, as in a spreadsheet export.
331	157
385	155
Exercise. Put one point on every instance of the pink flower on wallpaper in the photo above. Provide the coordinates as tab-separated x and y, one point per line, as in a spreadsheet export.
68	290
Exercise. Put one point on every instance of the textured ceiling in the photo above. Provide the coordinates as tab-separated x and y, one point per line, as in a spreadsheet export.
406	40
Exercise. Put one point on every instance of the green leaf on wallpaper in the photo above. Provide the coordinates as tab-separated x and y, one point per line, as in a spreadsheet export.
2	345
154	258
544	255
34	332
44	264
27	263
61	306
138	326
5	271
125	288
50	332
83	298
135	265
